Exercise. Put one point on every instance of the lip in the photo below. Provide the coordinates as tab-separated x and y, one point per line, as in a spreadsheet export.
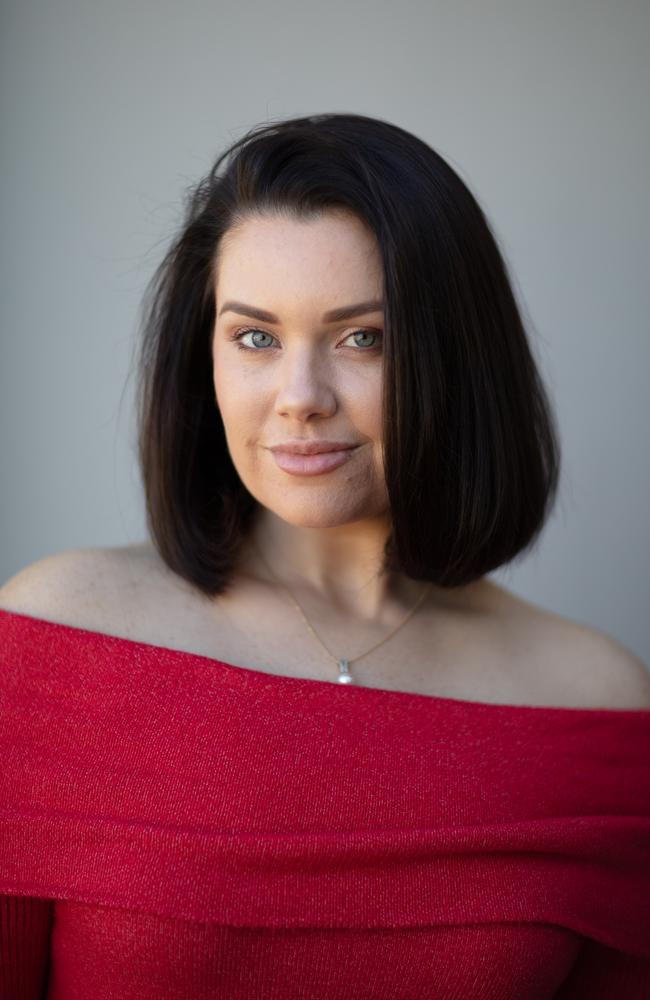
300	464
305	447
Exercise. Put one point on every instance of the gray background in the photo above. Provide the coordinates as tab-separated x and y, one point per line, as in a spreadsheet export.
110	110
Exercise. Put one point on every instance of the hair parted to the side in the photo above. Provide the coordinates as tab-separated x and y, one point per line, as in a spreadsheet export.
471	447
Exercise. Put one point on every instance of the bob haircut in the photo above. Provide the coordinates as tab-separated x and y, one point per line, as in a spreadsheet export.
471	450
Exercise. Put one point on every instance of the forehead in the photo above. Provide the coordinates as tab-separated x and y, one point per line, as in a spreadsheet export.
332	252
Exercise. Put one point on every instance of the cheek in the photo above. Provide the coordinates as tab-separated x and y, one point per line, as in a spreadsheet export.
240	409
366	403
228	389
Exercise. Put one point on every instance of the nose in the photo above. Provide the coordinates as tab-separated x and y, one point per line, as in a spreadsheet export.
304	388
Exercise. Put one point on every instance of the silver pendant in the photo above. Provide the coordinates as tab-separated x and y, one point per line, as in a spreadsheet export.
345	677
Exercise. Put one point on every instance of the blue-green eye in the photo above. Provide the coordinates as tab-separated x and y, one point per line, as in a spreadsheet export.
246	347
366	333
256	346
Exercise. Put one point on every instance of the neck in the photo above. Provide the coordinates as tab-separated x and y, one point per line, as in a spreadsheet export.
341	566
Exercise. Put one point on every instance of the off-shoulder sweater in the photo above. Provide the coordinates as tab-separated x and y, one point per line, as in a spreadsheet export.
174	826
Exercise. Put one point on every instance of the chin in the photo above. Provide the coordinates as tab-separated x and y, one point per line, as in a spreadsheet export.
320	511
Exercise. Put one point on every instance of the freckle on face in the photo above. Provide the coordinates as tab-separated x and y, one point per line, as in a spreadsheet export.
298	270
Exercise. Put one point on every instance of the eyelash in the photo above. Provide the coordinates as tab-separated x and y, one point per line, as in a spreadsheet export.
260	350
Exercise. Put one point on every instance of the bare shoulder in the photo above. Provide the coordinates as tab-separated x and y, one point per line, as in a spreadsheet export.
616	676
84	587
574	664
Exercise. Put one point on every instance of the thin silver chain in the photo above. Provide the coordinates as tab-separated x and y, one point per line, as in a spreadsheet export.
343	664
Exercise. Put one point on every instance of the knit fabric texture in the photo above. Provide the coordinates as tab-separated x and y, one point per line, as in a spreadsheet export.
174	826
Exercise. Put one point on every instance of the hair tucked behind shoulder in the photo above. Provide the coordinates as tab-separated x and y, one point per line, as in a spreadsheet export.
471	449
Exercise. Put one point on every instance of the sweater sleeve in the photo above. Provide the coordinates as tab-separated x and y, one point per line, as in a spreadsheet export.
25	927
601	973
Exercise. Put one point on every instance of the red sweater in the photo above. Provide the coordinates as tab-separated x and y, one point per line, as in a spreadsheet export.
173	826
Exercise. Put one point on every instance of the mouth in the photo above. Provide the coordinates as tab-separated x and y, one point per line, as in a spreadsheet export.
312	465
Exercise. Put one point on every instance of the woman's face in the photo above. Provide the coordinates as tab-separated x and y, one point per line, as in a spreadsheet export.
297	374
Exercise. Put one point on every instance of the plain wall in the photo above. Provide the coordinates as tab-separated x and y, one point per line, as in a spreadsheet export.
111	110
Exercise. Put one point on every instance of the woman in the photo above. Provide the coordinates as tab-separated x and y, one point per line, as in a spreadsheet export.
342	432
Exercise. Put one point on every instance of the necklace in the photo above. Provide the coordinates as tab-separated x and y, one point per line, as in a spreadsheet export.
345	677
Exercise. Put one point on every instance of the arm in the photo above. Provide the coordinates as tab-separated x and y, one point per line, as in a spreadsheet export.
25	926
601	973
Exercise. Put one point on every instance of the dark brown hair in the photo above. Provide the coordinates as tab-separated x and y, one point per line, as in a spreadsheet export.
471	449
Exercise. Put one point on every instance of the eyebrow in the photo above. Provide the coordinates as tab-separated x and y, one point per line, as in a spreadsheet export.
333	316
